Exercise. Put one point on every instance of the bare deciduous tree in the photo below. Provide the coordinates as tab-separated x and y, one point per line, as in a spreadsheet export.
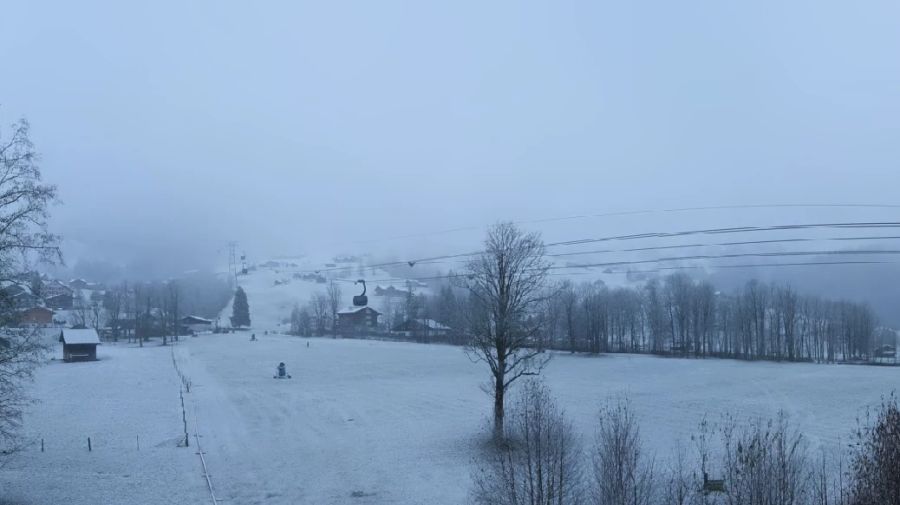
540	463
24	209
333	294
21	350
622	473
506	282
319	307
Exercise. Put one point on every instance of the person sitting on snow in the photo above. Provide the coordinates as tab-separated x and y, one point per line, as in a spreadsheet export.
282	370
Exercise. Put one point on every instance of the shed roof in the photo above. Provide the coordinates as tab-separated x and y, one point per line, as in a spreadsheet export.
85	336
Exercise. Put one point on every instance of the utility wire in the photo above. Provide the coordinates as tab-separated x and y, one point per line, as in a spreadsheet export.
674	210
683	233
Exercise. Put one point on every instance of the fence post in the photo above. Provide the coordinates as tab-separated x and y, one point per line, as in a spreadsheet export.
42	445
137	439
89	444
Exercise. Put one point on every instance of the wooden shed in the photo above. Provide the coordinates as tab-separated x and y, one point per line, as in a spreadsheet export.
79	345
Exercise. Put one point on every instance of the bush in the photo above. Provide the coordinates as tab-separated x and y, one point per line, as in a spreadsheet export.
539	463
622	475
875	460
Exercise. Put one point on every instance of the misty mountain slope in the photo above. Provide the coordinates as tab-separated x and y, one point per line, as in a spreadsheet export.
273	291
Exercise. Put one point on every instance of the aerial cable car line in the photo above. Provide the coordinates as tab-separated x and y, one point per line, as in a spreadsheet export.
640	236
644	211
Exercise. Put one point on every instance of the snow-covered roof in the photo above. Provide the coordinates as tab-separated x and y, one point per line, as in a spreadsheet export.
83	336
196	320
354	310
434	325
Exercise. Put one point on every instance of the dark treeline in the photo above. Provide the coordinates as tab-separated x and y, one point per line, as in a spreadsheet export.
140	310
678	315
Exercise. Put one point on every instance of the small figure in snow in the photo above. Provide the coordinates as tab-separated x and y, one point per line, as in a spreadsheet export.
282	372
253	337
307	343
266	332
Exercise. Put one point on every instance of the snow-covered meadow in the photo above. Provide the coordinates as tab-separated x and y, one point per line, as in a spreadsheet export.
128	404
364	421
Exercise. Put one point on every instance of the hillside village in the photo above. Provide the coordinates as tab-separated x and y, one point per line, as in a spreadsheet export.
137	312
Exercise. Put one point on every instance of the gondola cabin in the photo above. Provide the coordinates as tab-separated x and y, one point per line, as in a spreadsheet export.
79	345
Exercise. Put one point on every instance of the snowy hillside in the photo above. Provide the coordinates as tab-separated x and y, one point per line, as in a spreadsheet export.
274	287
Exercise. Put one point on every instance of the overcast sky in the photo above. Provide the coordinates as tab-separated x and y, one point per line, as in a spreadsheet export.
172	127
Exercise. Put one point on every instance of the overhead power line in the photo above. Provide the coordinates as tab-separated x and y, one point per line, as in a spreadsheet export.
650	235
674	210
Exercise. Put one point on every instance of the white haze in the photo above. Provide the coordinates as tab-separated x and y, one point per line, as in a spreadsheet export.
326	127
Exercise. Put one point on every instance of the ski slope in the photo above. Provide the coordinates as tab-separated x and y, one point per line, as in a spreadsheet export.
273	291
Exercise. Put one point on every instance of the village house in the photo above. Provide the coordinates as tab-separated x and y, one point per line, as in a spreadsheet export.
196	324
36	316
358	320
79	345
62	301
422	329
55	288
78	284
17	297
390	292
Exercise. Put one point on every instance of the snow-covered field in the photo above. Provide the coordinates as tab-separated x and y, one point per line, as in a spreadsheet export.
128	397
401	422
367	421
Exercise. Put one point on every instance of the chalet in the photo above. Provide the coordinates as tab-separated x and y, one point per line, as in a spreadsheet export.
79	345
195	324
78	284
390	292
36	316
55	288
18	297
358	320
62	301
421	328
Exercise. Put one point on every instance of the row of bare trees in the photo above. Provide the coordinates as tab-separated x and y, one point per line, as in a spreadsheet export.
679	315
759	462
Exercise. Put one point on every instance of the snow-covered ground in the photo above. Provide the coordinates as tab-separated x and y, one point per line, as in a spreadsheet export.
401	422
129	396
365	421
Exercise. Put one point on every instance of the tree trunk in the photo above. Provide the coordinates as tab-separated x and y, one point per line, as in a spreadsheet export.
499	390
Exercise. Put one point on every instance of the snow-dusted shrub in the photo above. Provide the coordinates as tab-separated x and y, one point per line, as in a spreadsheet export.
540	462
623	474
875	460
